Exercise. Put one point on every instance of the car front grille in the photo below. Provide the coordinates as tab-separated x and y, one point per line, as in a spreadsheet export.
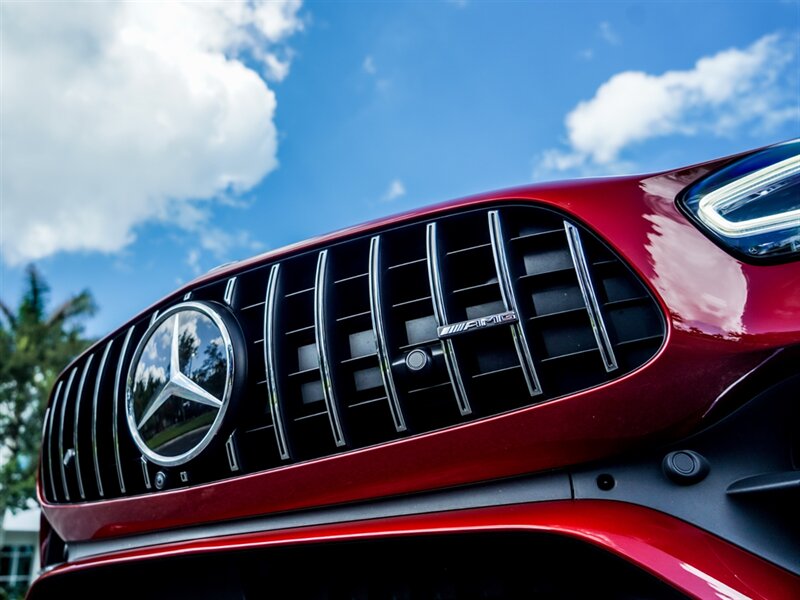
415	328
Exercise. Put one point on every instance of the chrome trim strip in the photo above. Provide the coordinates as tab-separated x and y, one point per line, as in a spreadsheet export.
510	301
376	312
97	381
440	313
76	423
53	408
320	330
230	288
589	297
63	416
537	488
153	318
115	428
187	296
145	473
270	363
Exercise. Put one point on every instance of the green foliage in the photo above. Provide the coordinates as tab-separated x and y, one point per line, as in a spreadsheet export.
34	347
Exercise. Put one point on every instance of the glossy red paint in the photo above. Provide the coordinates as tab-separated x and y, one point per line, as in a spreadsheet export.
724	318
693	561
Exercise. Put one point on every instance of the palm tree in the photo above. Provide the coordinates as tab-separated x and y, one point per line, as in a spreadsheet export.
34	347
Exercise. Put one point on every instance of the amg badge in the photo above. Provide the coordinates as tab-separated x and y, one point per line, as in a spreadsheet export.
448	331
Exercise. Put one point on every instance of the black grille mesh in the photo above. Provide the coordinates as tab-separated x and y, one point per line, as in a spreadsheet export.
329	334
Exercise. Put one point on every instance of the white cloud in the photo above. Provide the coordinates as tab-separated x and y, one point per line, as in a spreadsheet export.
395	190
150	373
369	66
123	113
193	260
731	92
188	328
609	35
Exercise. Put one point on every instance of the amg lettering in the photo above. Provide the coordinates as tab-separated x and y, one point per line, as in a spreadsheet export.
452	330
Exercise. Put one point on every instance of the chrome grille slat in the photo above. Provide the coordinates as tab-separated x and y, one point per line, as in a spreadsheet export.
323	351
47	459
62	417
145	472
44	460
230	290
510	301
440	313
78	474
270	363
115	409
53	409
376	312
590	297
95	396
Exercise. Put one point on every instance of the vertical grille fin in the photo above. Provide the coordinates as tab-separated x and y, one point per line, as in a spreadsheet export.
53	409
589	297
440	313
378	326
95	398
510	301
62	457
45	460
230	291
270	362
323	350
115	412
75	436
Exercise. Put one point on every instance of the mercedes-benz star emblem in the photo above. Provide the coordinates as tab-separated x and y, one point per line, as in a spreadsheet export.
179	383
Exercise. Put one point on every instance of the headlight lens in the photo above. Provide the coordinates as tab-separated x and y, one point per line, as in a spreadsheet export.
753	205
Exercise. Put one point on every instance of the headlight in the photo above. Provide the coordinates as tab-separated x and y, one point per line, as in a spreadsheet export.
753	205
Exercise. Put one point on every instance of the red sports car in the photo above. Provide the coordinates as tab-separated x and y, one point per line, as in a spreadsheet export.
587	389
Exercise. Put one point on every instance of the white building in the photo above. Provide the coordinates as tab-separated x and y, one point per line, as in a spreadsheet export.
19	550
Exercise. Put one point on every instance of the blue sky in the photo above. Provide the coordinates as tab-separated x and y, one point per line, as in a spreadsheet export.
379	107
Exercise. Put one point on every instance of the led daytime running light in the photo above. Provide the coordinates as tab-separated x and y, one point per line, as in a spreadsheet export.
728	195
